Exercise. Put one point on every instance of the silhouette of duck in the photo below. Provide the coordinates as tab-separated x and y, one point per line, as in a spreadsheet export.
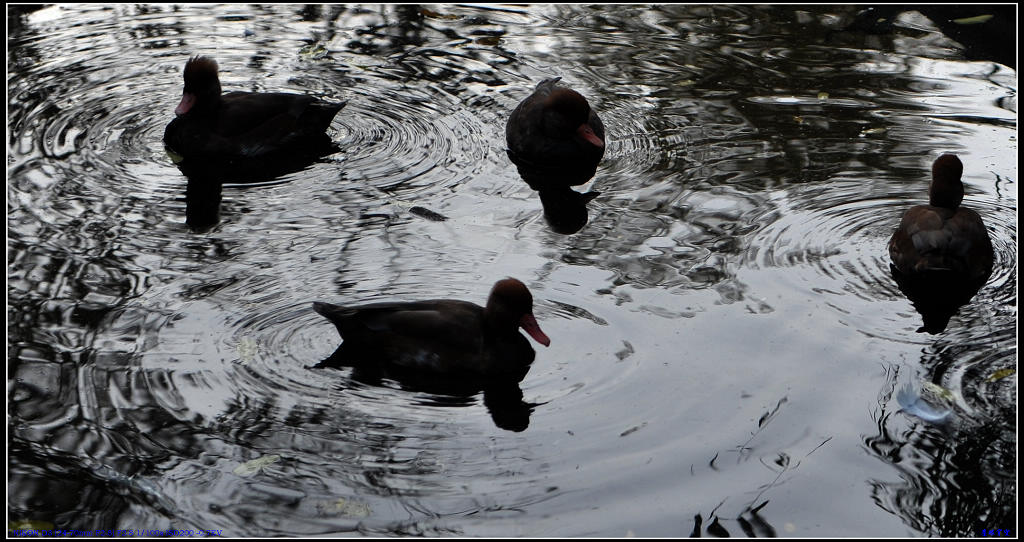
244	126
943	236
566	209
446	339
554	137
941	252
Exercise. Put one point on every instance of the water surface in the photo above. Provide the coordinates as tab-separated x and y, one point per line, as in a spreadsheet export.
727	343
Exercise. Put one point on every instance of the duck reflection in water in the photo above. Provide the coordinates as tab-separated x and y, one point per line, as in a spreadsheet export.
566	209
240	137
444	346
556	140
941	253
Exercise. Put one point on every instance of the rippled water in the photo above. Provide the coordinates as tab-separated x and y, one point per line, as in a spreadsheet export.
727	341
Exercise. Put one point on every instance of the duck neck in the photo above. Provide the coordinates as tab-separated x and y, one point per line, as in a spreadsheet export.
947	193
498	321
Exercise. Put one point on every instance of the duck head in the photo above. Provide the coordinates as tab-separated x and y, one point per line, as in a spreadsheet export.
202	85
510	306
946	189
567	113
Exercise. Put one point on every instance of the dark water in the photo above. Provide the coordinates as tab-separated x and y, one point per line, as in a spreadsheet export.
728	346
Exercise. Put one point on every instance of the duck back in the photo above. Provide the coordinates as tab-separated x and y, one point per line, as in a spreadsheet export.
937	239
422	339
211	127
250	125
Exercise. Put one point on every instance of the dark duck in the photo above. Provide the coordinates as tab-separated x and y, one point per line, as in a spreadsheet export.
941	252
442	338
554	137
237	127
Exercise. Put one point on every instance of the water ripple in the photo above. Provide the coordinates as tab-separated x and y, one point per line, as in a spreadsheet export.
757	162
833	232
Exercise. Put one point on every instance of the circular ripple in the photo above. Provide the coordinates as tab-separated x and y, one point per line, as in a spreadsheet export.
635	142
410	141
831	232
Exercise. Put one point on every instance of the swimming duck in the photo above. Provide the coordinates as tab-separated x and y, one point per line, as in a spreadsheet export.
440	337
554	137
244	125
943	237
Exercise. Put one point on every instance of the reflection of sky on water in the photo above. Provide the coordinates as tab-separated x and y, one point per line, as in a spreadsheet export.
724	328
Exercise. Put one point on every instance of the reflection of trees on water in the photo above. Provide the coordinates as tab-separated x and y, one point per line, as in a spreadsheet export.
464	49
782	463
85	457
146	453
345	464
955	479
985	32
387	30
714	98
751	525
82	426
83	423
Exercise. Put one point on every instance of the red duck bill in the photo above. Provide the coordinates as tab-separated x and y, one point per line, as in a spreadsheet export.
587	133
187	101
530	326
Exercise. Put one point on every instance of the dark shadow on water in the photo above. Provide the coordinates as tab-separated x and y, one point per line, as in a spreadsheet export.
566	209
937	296
986	32
208	175
202	203
751	526
502	396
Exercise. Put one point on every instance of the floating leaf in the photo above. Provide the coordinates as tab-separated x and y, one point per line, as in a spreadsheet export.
247	349
351	508
938	391
978	19
427	213
250	468
625	352
488	40
314	51
822	95
1000	374
632	429
28	525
